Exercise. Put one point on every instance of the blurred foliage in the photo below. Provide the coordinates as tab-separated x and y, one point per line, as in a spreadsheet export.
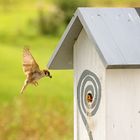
69	7
51	22
53	15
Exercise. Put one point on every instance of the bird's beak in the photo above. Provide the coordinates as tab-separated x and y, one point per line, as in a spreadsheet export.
49	75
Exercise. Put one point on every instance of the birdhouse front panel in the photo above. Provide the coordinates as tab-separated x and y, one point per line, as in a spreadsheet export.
123	104
89	96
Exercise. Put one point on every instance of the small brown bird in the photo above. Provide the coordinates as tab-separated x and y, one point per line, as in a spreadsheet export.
89	98
32	70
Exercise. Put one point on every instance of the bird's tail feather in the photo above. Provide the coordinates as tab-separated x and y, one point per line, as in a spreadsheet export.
23	87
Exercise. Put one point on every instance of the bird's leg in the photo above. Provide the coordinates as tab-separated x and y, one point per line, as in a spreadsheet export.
35	83
24	86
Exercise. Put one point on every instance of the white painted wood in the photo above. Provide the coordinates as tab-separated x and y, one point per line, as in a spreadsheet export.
86	57
123	104
118	117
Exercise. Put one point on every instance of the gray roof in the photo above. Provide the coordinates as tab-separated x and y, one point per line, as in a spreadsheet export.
116	32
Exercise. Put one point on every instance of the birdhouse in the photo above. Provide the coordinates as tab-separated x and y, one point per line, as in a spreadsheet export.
102	46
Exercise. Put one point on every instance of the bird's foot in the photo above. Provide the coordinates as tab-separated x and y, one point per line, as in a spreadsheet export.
35	83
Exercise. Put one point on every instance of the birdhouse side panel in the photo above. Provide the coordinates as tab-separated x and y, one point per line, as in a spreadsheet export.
123	104
89	97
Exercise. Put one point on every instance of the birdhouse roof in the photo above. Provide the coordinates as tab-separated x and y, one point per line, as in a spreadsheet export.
115	31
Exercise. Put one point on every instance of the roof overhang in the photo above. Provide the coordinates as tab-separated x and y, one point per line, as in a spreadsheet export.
62	57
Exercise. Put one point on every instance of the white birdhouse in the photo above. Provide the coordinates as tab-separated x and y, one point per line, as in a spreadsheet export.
102	45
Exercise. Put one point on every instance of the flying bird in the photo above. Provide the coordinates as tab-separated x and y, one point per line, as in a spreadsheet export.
32	70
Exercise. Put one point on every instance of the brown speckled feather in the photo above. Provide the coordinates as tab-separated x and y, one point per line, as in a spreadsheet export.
32	70
29	63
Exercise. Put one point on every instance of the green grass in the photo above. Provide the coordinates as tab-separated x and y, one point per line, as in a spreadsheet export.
43	112
44	106
41	108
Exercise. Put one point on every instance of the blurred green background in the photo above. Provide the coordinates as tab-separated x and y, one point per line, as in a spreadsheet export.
44	112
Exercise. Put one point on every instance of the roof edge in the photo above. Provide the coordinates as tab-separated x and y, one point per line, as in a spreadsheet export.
89	33
124	66
77	16
76	24
65	46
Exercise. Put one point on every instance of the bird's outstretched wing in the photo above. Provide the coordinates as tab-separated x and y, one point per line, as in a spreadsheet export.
29	63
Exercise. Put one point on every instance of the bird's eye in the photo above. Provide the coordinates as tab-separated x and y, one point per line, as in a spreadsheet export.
45	72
